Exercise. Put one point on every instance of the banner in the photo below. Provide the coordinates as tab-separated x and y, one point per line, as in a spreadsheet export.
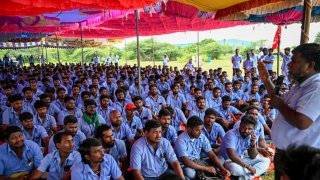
277	38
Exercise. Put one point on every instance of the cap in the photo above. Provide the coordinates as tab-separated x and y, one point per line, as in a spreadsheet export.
130	106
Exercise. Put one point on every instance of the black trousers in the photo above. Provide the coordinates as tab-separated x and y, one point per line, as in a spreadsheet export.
277	164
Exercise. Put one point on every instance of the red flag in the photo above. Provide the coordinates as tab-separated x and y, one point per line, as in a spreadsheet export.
277	38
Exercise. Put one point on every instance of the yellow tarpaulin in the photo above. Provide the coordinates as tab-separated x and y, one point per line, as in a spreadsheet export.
211	5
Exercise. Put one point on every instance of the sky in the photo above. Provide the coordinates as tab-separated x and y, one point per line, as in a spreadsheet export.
290	35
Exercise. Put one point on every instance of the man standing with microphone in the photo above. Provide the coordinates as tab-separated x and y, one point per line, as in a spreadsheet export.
298	120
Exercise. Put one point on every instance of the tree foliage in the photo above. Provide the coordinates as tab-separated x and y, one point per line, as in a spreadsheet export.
149	49
317	40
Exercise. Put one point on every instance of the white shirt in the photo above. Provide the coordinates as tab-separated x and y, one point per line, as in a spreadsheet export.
165	61
302	98
116	59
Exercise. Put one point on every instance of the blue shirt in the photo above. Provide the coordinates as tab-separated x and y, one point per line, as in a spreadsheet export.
59	105
248	96
197	112
155	105
118	150
38	133
216	131
10	163
179	117
214	103
226	114
184	146
124	133
134	125
52	163
236	60
286	61
134	90
108	169
268	58
234	97
176	102
233	140
121	108
152	163
10	117
144	116
163	86
77	140
53	109
77	113
170	134
89	129
105	114
48	123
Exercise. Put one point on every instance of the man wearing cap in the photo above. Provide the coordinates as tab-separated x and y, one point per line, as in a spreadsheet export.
133	121
90	119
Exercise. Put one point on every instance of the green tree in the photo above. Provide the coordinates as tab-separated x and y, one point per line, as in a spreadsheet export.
317	40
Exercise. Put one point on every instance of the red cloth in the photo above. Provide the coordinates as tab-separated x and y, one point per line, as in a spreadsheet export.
277	38
36	7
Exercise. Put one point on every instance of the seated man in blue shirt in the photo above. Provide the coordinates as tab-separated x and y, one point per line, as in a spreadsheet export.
120	130
95	163
10	116
151	153
234	145
90	119
19	157
71	126
168	131
115	147
178	119
35	133
212	130
188	147
228	114
133	121
44	119
59	162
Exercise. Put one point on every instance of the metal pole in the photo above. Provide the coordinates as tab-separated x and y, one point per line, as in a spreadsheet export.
46	49
138	49
58	49
278	57
42	53
198	50
305	27
82	57
154	63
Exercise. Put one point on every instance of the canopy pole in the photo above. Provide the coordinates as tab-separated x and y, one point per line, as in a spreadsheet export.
138	49
198	50
42	53
82	57
154	63
305	27
125	50
278	57
58	49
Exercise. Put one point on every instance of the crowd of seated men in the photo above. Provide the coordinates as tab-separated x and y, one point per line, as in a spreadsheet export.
96	122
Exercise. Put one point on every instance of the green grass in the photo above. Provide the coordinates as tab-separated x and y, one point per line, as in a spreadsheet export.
224	62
